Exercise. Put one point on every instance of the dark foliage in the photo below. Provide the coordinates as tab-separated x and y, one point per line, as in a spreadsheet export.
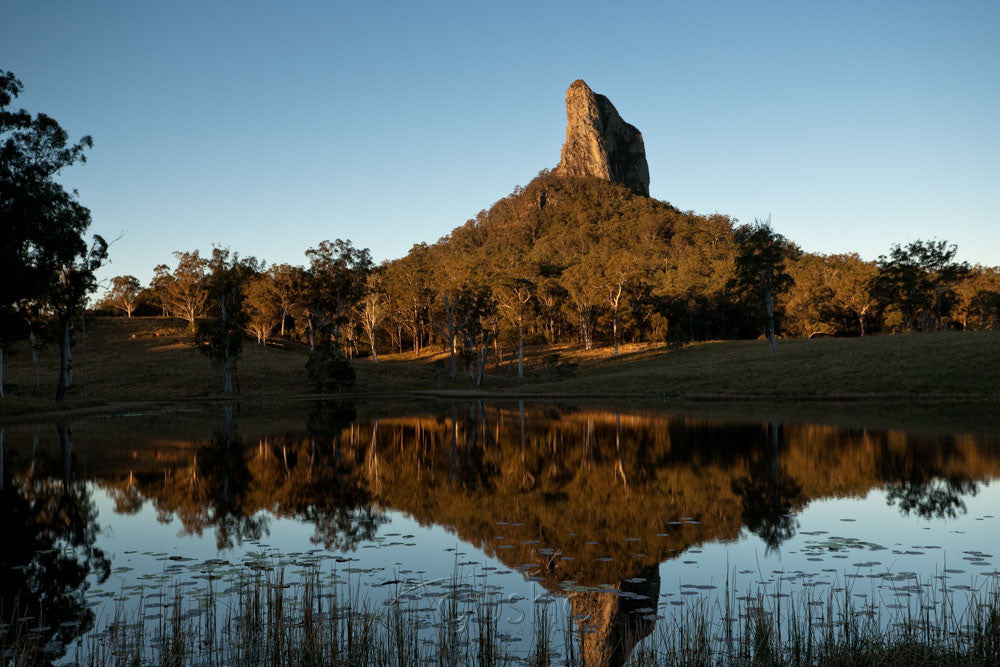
328	370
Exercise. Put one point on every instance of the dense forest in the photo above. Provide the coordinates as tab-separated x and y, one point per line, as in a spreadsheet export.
575	260
562	260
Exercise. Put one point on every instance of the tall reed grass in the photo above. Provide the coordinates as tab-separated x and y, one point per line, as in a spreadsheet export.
266	619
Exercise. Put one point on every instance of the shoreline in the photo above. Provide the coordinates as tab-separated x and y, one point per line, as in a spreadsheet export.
49	412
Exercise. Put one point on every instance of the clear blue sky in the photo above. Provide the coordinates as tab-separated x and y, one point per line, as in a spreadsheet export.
271	126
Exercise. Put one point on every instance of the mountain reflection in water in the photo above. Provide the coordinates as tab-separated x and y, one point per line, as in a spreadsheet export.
531	486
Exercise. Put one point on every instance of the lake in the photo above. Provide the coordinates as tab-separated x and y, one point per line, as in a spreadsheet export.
614	526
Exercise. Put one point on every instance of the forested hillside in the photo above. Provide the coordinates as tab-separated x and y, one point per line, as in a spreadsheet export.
574	257
576	260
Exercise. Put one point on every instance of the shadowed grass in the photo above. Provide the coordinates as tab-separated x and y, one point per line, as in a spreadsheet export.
930	364
155	359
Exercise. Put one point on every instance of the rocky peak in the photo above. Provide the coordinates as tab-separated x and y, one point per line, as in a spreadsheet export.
599	143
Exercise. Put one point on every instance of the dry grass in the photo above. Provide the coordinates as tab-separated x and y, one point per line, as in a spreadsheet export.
932	364
154	359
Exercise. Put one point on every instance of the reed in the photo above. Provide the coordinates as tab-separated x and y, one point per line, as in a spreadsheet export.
266	618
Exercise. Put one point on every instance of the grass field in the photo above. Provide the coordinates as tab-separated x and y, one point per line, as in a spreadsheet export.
940	363
124	360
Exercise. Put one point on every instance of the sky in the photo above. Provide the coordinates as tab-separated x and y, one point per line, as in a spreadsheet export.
269	127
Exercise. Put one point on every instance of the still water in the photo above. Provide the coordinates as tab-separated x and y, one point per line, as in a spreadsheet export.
614	518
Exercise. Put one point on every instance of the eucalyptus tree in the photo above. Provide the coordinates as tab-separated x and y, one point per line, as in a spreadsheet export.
620	269
45	262
187	290
474	308
337	279
759	268
124	293
286	281
585	293
373	308
74	266
978	295
221	334
159	287
550	295
408	282
851	282
263	307
514	299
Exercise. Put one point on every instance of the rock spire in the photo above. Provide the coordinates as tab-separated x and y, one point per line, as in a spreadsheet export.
599	143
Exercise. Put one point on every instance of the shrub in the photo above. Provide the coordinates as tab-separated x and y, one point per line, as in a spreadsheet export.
329	370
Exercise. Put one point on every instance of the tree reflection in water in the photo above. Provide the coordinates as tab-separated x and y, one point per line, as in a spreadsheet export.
231	488
585	495
769	497
49	528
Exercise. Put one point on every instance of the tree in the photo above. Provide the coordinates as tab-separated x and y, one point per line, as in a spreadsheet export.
124	293
474	307
159	286
329	370
810	309
372	309
44	259
619	270
74	266
919	281
513	298
759	268
286	281
221	335
337	276
978	295
851	286
186	290
408	282
263	306
584	292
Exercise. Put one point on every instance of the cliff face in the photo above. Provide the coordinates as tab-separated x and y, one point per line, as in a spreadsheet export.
599	143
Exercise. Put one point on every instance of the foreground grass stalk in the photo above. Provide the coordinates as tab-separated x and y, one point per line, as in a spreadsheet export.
267	618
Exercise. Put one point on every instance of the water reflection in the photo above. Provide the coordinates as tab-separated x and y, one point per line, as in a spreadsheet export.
233	489
49	530
576	499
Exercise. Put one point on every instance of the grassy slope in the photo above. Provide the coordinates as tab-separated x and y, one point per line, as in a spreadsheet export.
927	364
153	359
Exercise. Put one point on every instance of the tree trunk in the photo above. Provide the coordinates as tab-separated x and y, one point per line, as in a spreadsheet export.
861	321
83	333
64	363
614	328
585	328
284	314
449	308
520	353
769	300
33	342
227	373
69	355
2	350
484	354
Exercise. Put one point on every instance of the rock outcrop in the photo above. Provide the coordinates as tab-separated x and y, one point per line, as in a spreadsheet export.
599	143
